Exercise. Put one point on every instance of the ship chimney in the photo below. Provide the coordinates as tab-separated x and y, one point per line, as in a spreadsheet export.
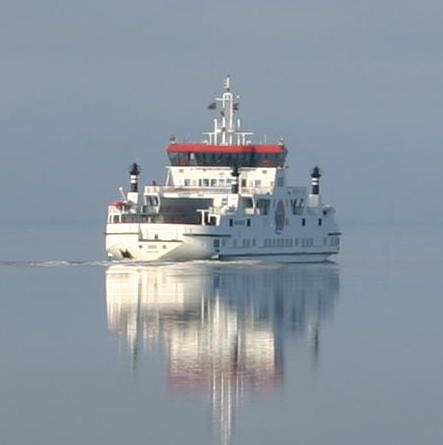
315	180
235	175
134	173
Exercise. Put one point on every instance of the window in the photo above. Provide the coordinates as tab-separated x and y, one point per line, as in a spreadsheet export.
303	221
243	182
116	218
258	183
216	244
319	221
231	223
263	205
205	182
248	222
187	182
213	182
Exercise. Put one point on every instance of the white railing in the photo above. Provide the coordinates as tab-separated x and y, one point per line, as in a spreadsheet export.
154	189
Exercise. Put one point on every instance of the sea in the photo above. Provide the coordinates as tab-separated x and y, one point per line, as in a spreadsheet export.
347	352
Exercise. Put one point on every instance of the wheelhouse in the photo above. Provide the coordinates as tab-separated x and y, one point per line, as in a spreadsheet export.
227	155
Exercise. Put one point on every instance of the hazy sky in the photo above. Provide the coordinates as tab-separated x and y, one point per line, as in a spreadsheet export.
89	86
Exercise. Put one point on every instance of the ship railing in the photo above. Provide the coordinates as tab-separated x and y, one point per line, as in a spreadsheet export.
186	190
255	190
155	189
232	209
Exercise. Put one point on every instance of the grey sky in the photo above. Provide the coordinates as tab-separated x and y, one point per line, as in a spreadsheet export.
89	86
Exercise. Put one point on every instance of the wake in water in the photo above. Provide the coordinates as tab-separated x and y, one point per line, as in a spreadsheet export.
54	263
107	263
136	264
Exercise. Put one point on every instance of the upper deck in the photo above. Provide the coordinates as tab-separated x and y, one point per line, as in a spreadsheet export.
212	155
226	145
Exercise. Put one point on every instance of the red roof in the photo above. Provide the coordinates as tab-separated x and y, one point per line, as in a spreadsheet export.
206	148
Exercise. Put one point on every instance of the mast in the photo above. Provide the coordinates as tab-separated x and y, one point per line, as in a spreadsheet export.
226	124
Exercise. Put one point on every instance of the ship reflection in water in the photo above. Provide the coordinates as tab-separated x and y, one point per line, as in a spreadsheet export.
223	326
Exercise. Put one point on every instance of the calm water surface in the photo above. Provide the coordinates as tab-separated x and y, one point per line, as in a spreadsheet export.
222	353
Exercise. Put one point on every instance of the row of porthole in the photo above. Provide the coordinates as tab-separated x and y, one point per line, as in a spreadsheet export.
269	243
248	222
333	241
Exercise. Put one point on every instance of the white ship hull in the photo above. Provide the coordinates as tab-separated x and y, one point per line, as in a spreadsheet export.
169	242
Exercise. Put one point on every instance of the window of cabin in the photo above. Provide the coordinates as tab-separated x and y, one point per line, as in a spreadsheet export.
303	221
213	182
319	221
187	182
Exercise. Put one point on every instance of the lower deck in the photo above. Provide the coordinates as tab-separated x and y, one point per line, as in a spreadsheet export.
151	242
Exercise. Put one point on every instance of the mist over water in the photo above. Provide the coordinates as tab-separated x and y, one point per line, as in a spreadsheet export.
100	352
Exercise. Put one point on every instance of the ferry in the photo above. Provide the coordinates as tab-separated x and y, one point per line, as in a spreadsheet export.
225	198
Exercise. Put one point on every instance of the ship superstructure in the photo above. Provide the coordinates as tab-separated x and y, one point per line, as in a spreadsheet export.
224	198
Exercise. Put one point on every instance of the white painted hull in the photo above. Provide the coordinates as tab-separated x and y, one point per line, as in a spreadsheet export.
282	257
186	243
